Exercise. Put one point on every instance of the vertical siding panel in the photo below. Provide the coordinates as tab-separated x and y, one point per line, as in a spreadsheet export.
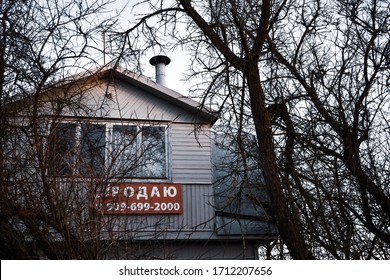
197	213
198	209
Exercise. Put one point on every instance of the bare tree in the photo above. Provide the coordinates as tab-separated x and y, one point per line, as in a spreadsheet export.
228	39
310	78
46	206
61	160
332	113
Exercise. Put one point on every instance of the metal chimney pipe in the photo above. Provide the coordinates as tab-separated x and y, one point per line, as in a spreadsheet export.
159	61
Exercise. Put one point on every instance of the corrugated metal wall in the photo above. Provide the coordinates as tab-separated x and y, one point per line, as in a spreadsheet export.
198	210
197	218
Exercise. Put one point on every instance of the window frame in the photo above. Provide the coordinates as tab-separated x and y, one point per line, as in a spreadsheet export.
108	148
139	142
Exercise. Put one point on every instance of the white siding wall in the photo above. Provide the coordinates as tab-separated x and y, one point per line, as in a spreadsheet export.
130	102
190	154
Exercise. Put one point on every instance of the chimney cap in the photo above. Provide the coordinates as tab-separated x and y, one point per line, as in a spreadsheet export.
159	59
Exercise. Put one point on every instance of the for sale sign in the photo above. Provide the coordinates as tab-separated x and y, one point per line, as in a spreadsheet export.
141	198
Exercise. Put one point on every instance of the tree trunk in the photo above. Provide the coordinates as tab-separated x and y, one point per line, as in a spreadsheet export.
287	219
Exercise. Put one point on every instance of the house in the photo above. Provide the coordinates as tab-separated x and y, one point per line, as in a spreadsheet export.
144	162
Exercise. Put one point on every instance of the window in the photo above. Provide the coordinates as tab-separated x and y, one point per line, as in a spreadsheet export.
92	149
153	157
139	151
62	142
124	150
128	151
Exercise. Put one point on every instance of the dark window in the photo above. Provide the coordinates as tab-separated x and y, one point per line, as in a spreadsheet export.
62	143
139	151
124	150
92	152
134	151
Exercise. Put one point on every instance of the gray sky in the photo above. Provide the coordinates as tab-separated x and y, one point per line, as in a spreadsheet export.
179	60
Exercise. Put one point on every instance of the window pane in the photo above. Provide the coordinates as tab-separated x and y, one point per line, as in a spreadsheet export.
92	154
61	144
153	157
124	150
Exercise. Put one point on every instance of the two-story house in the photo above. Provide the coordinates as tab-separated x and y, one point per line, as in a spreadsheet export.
144	172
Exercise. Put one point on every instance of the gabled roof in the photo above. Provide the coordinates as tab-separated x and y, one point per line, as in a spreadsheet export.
110	72
159	91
